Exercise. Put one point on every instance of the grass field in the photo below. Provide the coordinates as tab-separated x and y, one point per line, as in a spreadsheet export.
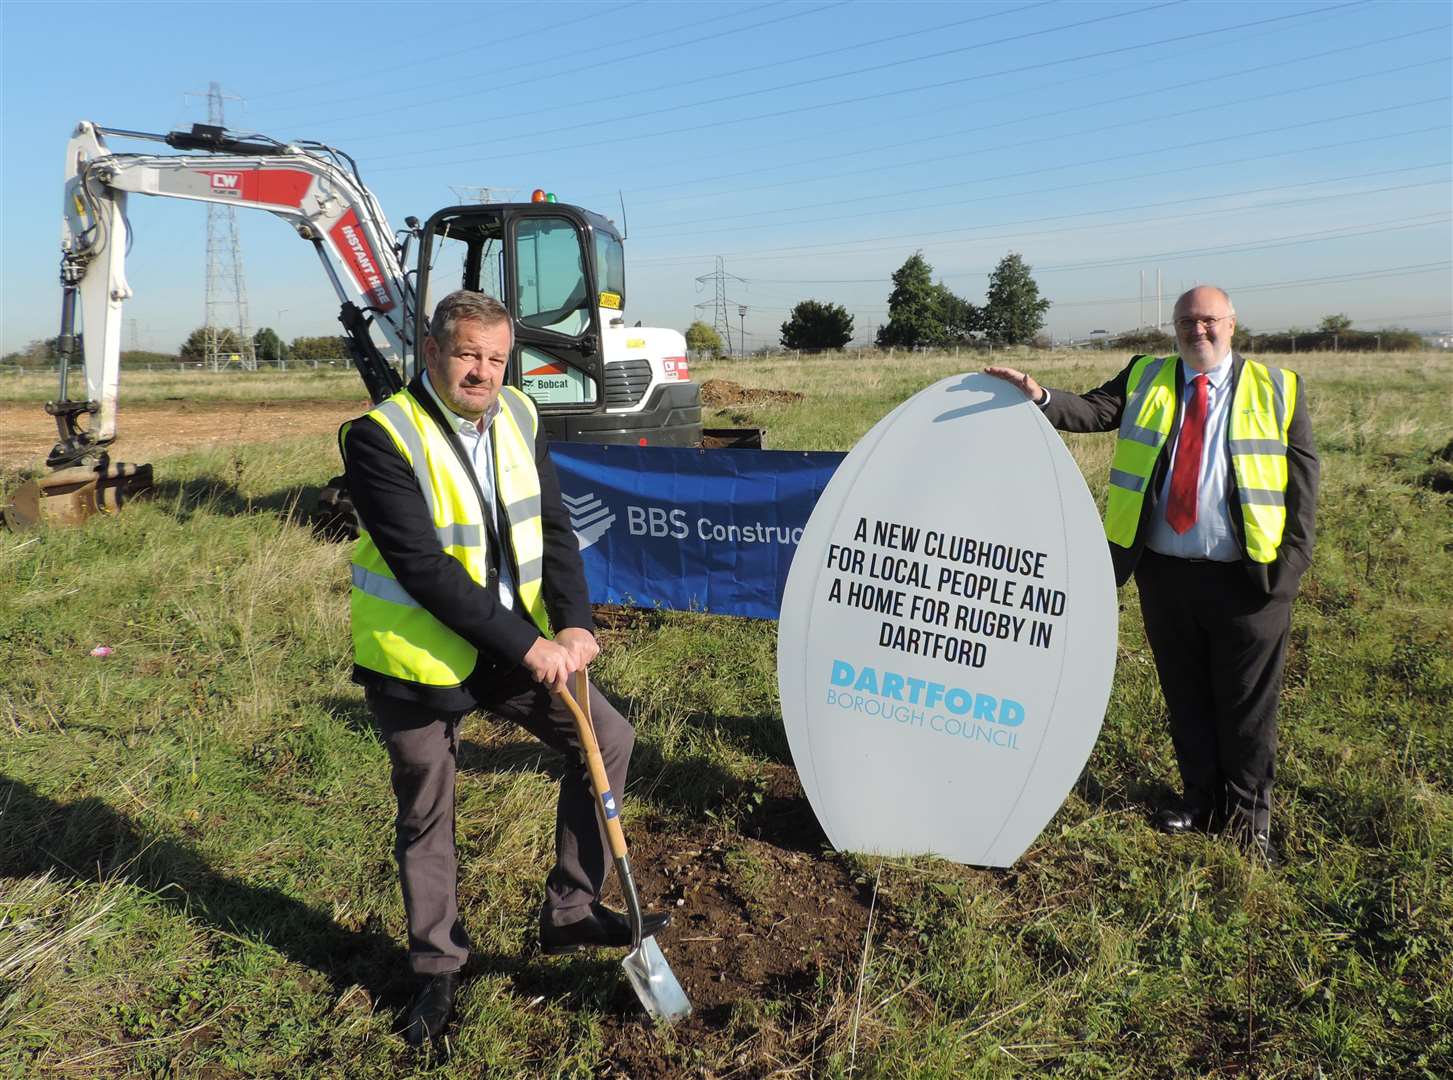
196	875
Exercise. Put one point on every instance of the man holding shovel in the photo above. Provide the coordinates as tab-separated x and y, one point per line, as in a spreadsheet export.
465	564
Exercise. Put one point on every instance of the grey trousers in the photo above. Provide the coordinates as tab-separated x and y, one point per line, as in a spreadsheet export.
422	747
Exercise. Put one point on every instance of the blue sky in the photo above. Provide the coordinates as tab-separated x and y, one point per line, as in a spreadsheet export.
1296	153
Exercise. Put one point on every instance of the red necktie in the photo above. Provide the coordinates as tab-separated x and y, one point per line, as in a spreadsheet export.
1180	509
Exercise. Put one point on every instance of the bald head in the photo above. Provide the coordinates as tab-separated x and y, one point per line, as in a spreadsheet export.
1205	321
1203	293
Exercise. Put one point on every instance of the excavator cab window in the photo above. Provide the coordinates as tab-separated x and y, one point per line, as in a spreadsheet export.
541	261
550	282
466	258
610	267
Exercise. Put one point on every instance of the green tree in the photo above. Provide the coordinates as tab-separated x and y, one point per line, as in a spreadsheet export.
1335	324
923	314
38	353
960	319
816	325
1014	311
701	338
195	347
913	308
319	348
270	348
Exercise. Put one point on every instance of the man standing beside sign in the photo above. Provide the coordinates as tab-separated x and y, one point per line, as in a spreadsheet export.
1212	504
465	562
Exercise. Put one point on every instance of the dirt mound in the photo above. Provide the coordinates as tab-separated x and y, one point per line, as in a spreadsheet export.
721	392
764	908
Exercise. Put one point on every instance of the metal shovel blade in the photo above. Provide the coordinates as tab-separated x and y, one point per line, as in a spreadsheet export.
655	983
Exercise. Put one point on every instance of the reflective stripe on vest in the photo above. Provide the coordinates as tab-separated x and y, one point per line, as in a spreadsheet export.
1261	417
392	632
1145	423
1261	411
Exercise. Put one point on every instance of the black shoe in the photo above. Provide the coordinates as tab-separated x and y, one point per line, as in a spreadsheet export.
1260	846
433	1005
1257	844
1253	839
1175	820
602	928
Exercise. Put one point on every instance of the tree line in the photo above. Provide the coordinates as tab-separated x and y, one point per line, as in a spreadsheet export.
1334	333
927	314
922	314
267	345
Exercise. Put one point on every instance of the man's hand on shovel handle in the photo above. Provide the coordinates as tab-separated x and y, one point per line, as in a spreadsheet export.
550	663
581	645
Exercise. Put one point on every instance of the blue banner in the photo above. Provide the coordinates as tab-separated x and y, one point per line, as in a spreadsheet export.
694	530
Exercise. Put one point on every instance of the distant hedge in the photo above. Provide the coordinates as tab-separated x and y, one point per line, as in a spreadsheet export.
1342	341
1159	343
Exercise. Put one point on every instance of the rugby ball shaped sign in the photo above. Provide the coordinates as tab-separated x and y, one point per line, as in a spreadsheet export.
948	631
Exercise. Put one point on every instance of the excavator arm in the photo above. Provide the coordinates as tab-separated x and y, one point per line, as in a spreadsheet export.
312	188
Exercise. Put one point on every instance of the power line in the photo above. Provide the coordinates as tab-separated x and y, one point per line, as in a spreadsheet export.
1157	91
1019	69
1079	164
372	73
1342	233
1263	286
878	243
1385	272
978	151
573	70
595	101
853	73
1389	272
1150	221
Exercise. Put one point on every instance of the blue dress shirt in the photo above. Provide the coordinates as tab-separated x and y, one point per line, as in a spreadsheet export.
1212	536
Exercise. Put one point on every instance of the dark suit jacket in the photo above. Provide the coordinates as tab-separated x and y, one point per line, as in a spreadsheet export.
1100	410
393	510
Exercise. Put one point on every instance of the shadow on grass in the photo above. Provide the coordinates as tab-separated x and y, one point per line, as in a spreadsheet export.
691	785
87	841
214	495
1143	796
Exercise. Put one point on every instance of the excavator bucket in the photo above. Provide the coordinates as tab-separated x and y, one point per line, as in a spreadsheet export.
70	496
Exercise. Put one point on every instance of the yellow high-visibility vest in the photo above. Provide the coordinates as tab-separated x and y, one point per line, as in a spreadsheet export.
1261	416
392	633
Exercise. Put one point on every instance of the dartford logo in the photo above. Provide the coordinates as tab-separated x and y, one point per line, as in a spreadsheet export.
589	517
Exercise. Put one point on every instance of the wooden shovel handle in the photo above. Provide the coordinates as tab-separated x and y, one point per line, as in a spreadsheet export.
607	803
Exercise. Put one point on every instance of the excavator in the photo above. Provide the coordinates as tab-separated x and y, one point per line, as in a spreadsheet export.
558	268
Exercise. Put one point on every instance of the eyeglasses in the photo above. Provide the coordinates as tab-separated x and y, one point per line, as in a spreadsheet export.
1189	322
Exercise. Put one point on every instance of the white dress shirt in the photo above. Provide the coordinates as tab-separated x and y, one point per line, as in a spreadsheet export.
479	451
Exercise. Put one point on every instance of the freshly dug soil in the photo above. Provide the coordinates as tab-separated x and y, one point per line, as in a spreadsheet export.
718	393
767	909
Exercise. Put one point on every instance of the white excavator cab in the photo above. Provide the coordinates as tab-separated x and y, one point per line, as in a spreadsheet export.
560	270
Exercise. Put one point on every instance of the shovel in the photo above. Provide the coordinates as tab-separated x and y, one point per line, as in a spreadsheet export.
646	967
